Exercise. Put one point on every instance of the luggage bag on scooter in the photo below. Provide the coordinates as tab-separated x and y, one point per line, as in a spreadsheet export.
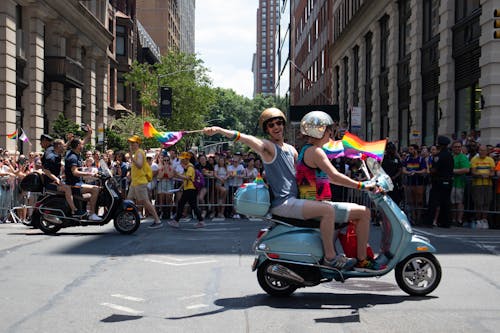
349	241
252	199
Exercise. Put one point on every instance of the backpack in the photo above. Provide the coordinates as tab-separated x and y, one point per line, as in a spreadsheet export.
199	179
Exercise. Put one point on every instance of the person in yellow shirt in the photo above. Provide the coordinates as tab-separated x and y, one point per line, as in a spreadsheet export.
189	192
482	169
138	189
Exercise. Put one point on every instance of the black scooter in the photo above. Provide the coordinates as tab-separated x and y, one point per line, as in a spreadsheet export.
52	212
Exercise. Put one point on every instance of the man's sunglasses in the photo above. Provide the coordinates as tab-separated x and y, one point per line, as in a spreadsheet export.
277	122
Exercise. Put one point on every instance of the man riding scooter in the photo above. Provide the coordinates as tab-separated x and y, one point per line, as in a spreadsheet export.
74	175
279	164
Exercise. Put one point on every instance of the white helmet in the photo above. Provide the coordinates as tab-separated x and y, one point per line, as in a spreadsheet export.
315	123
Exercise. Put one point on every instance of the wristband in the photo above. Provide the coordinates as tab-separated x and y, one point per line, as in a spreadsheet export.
235	135
238	134
361	185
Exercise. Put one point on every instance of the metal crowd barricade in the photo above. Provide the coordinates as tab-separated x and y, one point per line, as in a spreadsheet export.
209	204
13	199
6	196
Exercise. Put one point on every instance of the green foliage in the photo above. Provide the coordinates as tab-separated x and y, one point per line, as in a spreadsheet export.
63	126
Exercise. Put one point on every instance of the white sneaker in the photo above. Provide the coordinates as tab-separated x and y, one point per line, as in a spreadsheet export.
485	224
236	216
94	217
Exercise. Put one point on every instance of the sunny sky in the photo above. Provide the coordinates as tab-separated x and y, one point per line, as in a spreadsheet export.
225	40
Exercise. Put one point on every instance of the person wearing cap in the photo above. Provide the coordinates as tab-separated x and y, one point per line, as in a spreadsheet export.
279	160
441	173
189	192
138	189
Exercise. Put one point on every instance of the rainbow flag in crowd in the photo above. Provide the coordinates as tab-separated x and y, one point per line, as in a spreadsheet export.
13	136
334	149
354	146
167	139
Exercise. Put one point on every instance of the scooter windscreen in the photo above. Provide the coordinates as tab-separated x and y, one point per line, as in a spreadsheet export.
103	168
379	176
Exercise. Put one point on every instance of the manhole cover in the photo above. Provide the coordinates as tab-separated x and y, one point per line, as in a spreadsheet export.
362	285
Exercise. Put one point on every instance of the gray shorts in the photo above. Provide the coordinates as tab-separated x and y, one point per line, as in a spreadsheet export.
290	208
293	208
457	195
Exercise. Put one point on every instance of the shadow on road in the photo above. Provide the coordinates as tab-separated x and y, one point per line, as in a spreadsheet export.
309	301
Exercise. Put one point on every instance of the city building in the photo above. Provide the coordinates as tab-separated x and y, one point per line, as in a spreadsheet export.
162	21
263	62
282	42
310	70
187	25
54	60
67	57
408	70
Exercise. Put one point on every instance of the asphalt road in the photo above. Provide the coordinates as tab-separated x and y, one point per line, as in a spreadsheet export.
92	279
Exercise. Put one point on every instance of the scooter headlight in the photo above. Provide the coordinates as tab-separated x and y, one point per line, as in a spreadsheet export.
262	247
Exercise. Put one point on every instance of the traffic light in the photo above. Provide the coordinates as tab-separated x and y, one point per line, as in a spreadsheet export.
496	23
165	104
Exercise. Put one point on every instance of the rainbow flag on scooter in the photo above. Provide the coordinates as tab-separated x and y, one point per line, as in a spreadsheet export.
354	147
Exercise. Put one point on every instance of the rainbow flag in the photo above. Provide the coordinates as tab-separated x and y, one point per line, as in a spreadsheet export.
259	180
13	136
167	139
354	146
334	149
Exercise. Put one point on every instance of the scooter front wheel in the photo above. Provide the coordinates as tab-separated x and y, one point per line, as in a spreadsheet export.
418	274
127	221
272	285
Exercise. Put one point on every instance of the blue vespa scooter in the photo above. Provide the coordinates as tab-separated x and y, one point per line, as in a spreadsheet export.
289	252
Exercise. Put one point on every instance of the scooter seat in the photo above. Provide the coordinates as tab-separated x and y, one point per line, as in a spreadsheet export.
311	223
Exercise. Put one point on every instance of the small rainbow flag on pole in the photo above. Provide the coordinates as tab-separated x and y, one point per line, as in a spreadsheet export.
12	136
167	139
354	146
334	149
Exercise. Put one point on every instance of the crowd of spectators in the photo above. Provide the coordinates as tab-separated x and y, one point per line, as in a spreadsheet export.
475	191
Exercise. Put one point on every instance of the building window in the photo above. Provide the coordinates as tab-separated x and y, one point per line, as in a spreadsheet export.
468	108
384	38
431	19
430	121
464	8
121	40
120	92
404	28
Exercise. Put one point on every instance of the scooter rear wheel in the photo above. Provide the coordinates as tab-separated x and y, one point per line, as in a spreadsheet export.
418	274
47	227
127	222
272	285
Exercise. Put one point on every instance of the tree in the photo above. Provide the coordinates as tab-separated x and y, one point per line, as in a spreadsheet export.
192	95
62	126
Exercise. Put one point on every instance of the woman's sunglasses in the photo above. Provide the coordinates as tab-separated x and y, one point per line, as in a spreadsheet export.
277	122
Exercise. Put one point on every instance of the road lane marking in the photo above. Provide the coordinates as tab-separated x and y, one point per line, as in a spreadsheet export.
122	308
180	264
190	297
128	298
196	306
